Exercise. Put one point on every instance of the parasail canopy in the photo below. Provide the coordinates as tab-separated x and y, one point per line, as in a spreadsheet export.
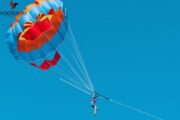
43	38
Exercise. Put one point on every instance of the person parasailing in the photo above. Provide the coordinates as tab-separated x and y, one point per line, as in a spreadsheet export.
93	104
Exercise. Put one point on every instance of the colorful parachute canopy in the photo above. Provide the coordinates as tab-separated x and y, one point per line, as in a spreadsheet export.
38	32
43	38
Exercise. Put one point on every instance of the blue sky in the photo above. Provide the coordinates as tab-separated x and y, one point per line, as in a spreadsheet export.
131	49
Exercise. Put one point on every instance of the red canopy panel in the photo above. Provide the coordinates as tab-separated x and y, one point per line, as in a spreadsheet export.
48	63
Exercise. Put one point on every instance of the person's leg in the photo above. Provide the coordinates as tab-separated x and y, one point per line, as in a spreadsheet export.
95	109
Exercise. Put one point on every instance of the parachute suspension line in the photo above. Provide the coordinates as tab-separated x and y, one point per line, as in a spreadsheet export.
74	71
135	109
82	62
78	58
79	69
66	75
74	57
77	62
73	79
70	83
73	40
62	73
85	78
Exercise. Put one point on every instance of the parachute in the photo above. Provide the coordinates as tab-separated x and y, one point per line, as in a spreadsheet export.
43	38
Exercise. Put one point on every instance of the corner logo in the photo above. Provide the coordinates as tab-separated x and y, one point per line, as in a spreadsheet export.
11	12
13	4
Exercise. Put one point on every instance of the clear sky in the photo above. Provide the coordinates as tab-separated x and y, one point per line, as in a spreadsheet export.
131	49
